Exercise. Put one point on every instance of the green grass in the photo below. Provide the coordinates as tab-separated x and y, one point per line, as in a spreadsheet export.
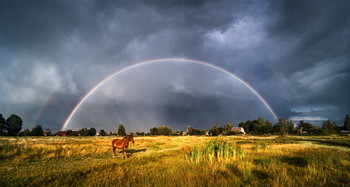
176	161
215	150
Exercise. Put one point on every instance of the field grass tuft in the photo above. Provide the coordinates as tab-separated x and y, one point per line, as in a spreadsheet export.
215	150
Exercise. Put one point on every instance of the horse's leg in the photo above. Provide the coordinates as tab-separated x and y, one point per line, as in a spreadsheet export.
124	153
114	150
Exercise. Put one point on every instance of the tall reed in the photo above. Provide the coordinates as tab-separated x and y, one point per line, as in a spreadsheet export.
215	150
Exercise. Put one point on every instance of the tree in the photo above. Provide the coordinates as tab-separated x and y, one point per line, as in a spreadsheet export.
2	125
13	125
245	126
140	133
257	126
190	130
329	127
260	126
37	131
121	130
83	132
92	132
228	127
216	130
161	130
347	122
306	127
70	133
265	127
154	131
25	132
47	132
102	132
193	131
283	126
165	130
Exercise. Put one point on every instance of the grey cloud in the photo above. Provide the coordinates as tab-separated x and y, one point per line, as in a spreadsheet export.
295	53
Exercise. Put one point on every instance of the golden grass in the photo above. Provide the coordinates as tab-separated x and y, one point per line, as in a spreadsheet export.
163	161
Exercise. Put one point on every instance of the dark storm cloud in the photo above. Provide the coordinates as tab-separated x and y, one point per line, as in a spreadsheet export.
314	43
295	53
315	31
37	26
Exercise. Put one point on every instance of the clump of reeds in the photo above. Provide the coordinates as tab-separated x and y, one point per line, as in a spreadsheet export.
215	150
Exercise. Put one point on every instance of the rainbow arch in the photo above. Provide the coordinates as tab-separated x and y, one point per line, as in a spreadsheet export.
163	60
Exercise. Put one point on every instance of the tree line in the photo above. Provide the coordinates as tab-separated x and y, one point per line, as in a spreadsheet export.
12	126
260	126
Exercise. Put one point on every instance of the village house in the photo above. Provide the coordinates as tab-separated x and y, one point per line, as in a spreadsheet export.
68	133
109	133
238	130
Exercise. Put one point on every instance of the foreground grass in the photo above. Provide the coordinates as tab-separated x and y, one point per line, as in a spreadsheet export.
172	161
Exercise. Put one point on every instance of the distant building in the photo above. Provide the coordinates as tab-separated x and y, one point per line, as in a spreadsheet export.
109	134
68	133
62	133
301	131
239	130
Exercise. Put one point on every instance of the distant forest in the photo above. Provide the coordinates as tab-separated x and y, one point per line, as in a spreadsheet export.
12	126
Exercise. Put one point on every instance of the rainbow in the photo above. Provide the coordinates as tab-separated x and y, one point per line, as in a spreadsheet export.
143	63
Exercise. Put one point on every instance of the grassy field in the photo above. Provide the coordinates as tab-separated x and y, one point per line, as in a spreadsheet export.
176	161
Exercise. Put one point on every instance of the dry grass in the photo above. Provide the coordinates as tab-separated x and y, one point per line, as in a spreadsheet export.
164	161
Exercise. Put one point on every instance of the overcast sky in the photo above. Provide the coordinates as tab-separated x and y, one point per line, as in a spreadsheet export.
296	54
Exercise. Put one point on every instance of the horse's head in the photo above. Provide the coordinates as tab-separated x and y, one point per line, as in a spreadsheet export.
131	138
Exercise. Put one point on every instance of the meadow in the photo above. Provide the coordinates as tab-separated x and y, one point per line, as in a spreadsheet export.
176	161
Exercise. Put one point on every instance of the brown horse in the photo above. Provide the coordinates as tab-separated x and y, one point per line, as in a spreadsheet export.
122	144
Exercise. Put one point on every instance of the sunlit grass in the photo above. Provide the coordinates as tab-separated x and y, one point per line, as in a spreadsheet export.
176	161
215	150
